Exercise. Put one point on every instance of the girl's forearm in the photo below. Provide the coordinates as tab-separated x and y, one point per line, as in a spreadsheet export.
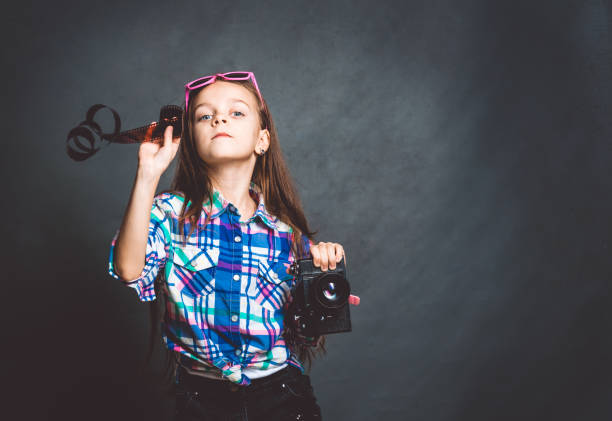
131	245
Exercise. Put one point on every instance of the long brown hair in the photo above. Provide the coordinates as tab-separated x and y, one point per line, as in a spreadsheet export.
191	180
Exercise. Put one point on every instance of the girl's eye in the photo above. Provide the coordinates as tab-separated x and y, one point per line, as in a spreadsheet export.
208	115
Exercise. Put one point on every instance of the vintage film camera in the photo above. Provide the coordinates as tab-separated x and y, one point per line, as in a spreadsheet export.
320	304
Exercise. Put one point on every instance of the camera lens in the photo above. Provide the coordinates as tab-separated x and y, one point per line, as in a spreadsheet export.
331	290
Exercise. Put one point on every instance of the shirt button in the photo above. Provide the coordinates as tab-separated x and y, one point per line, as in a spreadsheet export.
236	277
274	275
234	317
238	352
237	238
232	208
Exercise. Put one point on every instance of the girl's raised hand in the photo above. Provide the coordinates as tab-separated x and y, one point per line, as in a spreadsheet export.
326	255
153	158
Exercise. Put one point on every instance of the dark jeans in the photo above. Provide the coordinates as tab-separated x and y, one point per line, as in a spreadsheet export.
284	395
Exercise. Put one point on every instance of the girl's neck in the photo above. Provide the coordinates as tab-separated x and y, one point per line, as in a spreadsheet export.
237	193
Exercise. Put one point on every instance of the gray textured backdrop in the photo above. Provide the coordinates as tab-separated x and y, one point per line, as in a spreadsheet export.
460	151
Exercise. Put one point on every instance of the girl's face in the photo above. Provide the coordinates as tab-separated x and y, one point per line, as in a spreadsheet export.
225	107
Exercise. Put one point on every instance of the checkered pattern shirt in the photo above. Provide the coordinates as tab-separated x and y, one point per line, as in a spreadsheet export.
226	289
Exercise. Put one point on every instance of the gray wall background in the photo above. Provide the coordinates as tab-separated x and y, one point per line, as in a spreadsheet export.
459	151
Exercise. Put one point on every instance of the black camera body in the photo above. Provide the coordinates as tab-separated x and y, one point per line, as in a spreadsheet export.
320	303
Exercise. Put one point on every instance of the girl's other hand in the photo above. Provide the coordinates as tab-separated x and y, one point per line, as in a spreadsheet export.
326	255
153	158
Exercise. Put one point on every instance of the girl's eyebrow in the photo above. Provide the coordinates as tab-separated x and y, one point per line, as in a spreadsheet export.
232	99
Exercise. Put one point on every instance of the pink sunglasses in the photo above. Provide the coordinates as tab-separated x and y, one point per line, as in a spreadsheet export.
202	81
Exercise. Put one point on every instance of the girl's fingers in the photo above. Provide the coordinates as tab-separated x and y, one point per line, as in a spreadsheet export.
339	252
323	256
168	136
174	142
169	145
326	255
316	256
331	255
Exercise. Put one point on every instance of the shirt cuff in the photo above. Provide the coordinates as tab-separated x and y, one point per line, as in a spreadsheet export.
144	285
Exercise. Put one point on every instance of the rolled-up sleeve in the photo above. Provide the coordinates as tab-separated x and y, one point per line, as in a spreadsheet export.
158	244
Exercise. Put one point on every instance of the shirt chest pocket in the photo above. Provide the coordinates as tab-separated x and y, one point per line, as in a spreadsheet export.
195	269
274	284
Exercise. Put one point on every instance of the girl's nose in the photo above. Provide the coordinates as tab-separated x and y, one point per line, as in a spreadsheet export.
218	118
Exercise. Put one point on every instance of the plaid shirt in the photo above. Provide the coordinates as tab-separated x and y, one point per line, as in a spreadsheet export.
226	290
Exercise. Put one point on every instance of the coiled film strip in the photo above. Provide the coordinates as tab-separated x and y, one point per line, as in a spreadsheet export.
84	140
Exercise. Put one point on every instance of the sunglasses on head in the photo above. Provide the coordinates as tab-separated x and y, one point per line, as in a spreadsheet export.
206	80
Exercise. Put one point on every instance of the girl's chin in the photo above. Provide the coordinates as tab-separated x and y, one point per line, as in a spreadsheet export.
219	156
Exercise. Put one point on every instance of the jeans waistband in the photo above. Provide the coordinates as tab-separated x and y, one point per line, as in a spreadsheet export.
195	382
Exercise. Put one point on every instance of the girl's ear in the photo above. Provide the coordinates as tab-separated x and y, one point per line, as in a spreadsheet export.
264	139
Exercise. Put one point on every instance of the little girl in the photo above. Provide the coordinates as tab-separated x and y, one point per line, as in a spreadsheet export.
222	240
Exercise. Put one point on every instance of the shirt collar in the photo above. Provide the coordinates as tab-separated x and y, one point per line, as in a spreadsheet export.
220	205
